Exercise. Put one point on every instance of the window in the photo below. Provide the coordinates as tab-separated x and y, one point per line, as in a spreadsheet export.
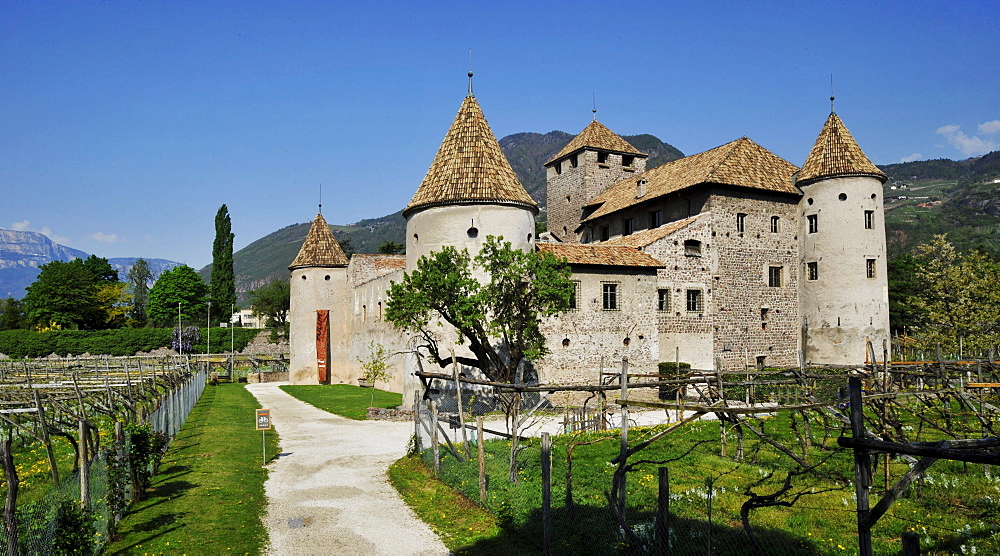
655	218
628	226
610	296
812	271
692	248
813	223
763	313
602	158
573	161
558	167
869	219
695	303
663	300
741	222
574	296
775	224
605	233
627	160
774	276
870	267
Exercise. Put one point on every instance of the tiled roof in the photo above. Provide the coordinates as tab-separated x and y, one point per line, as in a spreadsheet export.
601	254
741	163
641	239
598	136
320	248
367	267
836	153
470	167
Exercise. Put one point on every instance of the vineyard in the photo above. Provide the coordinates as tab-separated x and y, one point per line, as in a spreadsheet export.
829	460
80	439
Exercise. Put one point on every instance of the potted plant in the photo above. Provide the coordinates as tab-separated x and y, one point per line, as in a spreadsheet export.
375	368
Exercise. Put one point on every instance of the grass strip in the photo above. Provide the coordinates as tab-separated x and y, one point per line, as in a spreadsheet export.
345	400
463	526
208	495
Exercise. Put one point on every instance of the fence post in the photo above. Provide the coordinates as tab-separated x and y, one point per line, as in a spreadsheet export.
458	399
862	467
84	466
416	421
434	438
911	544
482	458
547	491
624	433
10	500
661	529
45	438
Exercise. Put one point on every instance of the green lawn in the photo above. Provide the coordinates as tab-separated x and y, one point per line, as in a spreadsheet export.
208	496
344	399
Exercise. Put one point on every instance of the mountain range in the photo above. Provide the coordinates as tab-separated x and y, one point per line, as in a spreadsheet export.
958	198
22	252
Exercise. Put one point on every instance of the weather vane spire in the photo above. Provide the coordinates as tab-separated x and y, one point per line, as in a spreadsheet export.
470	74
321	198
594	98
831	94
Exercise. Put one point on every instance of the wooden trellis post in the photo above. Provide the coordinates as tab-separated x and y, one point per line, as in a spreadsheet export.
862	467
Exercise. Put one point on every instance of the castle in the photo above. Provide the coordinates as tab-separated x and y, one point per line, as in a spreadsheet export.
722	259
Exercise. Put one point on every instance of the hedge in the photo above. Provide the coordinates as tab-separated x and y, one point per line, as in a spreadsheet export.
122	341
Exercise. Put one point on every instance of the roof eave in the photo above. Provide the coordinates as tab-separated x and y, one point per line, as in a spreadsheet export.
589	148
533	207
809	181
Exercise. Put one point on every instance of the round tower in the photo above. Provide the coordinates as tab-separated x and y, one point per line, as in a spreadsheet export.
844	292
470	192
318	311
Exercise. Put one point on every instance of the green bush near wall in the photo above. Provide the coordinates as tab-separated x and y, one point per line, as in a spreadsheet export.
122	341
672	372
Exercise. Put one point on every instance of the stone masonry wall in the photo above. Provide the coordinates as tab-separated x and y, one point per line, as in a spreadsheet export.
570	188
753	319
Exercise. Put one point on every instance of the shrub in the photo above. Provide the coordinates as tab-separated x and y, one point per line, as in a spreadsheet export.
671	371
121	341
74	529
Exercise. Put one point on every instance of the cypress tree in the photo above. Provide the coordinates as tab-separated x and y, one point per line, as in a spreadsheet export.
223	282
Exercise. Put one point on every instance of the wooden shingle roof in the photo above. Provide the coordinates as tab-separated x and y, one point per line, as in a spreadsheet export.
599	254
596	135
470	167
319	248
836	154
741	163
641	239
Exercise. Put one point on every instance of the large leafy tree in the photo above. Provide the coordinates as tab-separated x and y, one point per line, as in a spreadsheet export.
958	298
11	314
179	285
223	281
272	302
139	277
66	294
499	317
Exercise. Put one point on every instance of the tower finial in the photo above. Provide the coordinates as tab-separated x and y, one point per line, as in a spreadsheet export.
594	96
831	94
321	198
470	74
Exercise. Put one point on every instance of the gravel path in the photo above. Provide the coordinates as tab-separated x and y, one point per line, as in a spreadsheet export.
327	493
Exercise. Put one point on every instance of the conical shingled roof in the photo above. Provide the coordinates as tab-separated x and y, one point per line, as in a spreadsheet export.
836	154
741	163
470	167
597	135
320	248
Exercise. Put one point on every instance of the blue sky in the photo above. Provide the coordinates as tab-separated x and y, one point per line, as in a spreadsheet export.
125	125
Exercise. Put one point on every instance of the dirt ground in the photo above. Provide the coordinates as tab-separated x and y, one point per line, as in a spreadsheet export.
327	492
